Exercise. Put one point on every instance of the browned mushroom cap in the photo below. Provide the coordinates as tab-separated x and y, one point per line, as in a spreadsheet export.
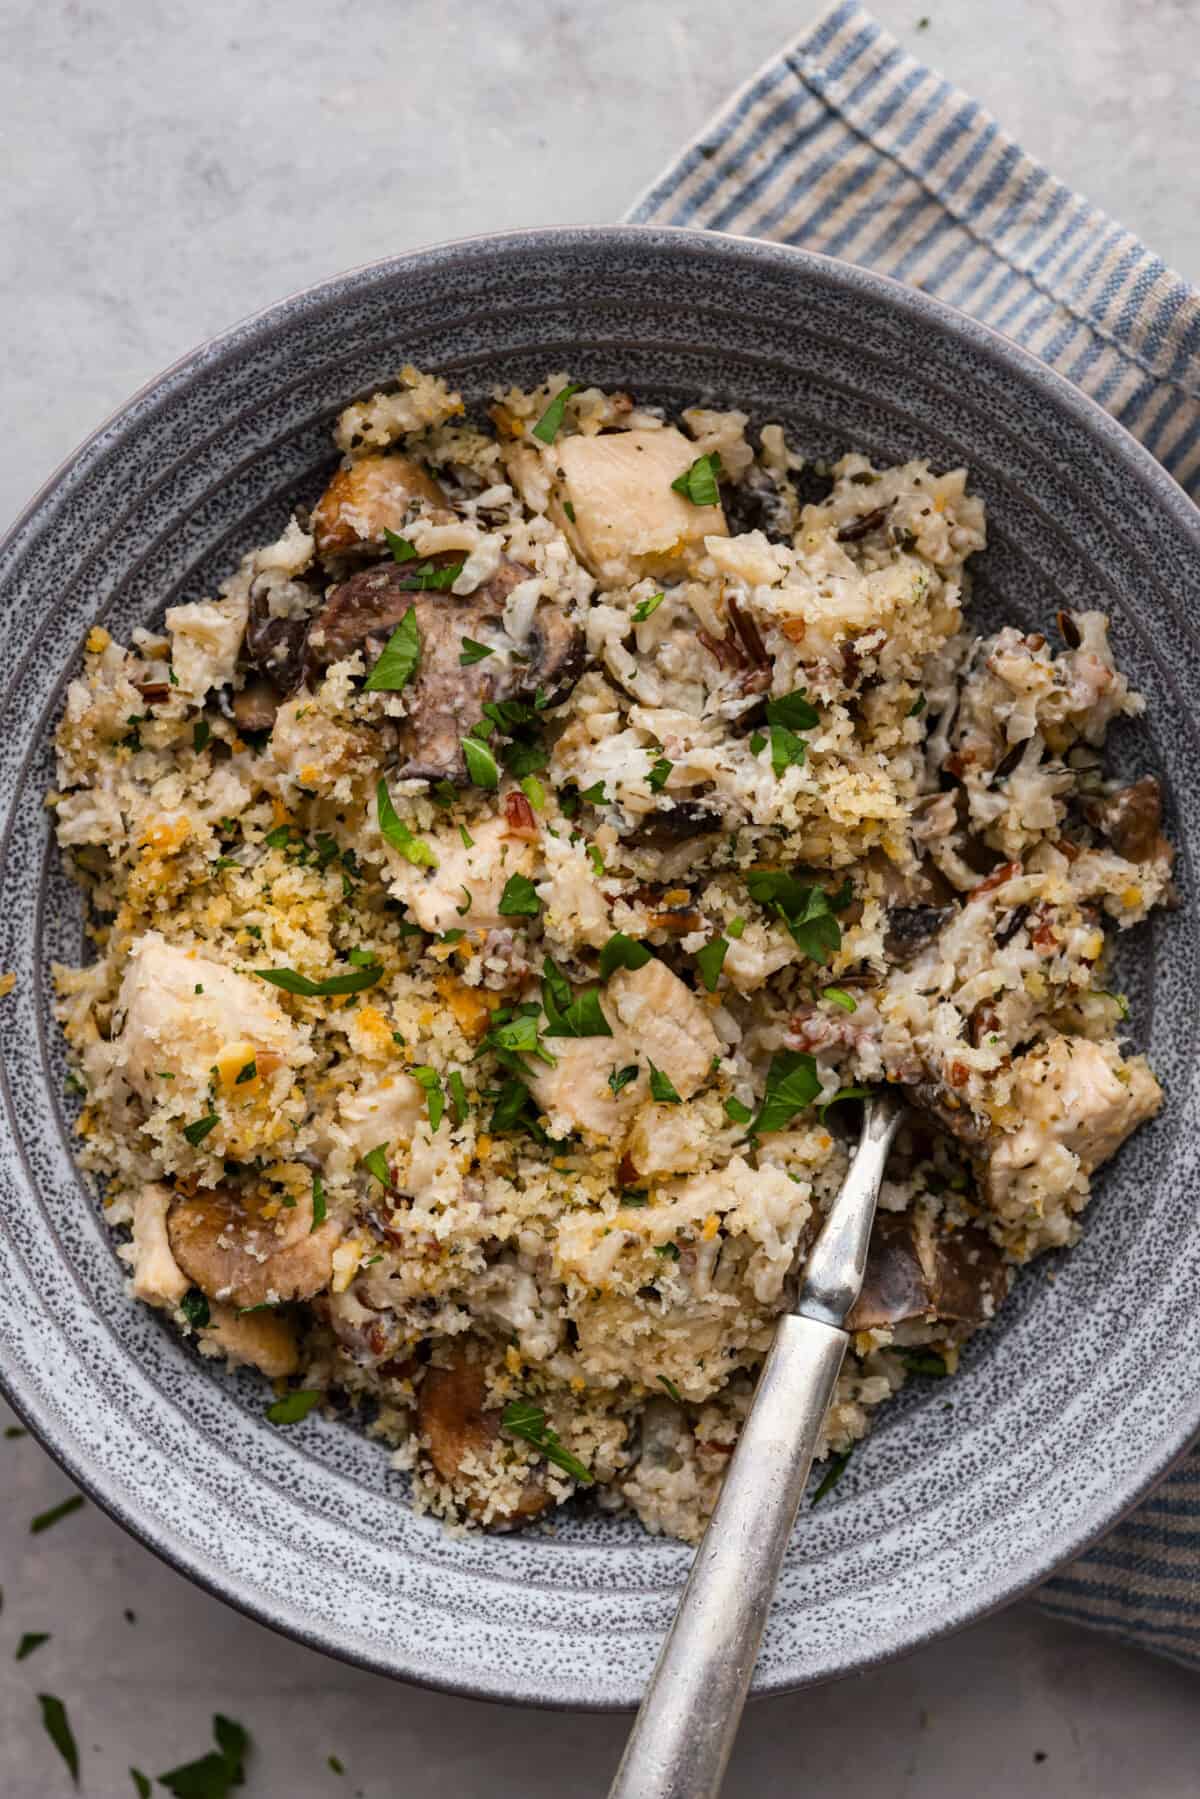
374	495
450	1412
910	1276
237	1254
943	1107
445	699
911	928
1131	819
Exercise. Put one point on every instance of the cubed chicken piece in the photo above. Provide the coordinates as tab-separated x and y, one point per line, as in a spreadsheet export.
374	495
1078	1101
158	1279
945	1285
382	1111
666	1140
628	522
205	639
264	1340
436	897
666	1023
576	1094
181	1011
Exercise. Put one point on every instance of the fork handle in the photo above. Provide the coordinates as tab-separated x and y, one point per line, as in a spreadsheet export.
684	1732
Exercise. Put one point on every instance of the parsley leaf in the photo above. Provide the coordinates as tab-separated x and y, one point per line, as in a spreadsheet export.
31	1640
318	1203
710	960
215	1775
660	773
736	1112
63	1509
571	1016
194	1306
473	652
644	608
482	767
291	982
662	1088
758	743
397	833
672	1390
523	1419
201	732
400	658
787	750
834	1473
839	997
793	710
402	550
515	1110
550	423
622	952
430	1081
141	1783
841	1094
519	899
376	1163
792	1084
923	1361
458	1096
595	794
199	1128
293	1407
806	911
918	706
58	1729
699	482
621	1077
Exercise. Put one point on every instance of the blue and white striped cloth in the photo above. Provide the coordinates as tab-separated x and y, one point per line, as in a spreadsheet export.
847	145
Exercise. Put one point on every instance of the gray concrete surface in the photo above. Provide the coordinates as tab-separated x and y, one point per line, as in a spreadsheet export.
168	168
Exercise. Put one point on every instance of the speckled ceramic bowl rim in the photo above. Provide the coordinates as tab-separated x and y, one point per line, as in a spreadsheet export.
1056	1545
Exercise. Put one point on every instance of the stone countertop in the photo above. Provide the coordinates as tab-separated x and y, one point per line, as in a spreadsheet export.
170	168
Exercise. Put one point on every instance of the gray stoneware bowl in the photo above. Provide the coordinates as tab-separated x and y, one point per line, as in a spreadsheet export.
967	1492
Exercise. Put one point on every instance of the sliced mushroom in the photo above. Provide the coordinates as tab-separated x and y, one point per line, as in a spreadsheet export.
232	1253
1131	819
451	1414
759	503
274	643
256	705
910	928
374	495
913	1277
676	824
444	699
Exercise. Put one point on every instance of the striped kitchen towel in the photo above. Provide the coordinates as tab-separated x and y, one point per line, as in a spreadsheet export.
847	145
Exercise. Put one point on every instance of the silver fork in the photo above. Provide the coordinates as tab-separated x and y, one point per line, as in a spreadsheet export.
683	1734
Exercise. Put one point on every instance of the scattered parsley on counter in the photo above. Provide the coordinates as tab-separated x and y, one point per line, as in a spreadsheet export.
32	1639
215	1775
58	1729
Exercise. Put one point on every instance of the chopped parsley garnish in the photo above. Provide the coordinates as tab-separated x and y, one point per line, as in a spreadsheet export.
430	1081
456	1087
621	1077
58	1729
141	1783
735	927
515	1110
293	1407
402	550
662	1088
335	984
519	899
473	652
521	1418
699	482
838	996
199	1128
832	1475
396	832
246	1072
622	952
534	792
454	936
841	1094
668	1251
794	710
318	1203
595	858
569	510
468	902
215	1775
787	750
399	661
595	794
792	1084
917	707
644	608
923	1361
376	1163
550	423
659	775
31	1640
201	732
194	1306
482	767
13	1431
468	842
63	1509
758	743
672	1390
736	1112
808	912
569	1015
710	960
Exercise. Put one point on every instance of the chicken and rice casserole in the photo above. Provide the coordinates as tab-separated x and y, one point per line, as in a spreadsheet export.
501	891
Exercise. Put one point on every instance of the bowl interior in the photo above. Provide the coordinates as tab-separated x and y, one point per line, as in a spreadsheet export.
964	1493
